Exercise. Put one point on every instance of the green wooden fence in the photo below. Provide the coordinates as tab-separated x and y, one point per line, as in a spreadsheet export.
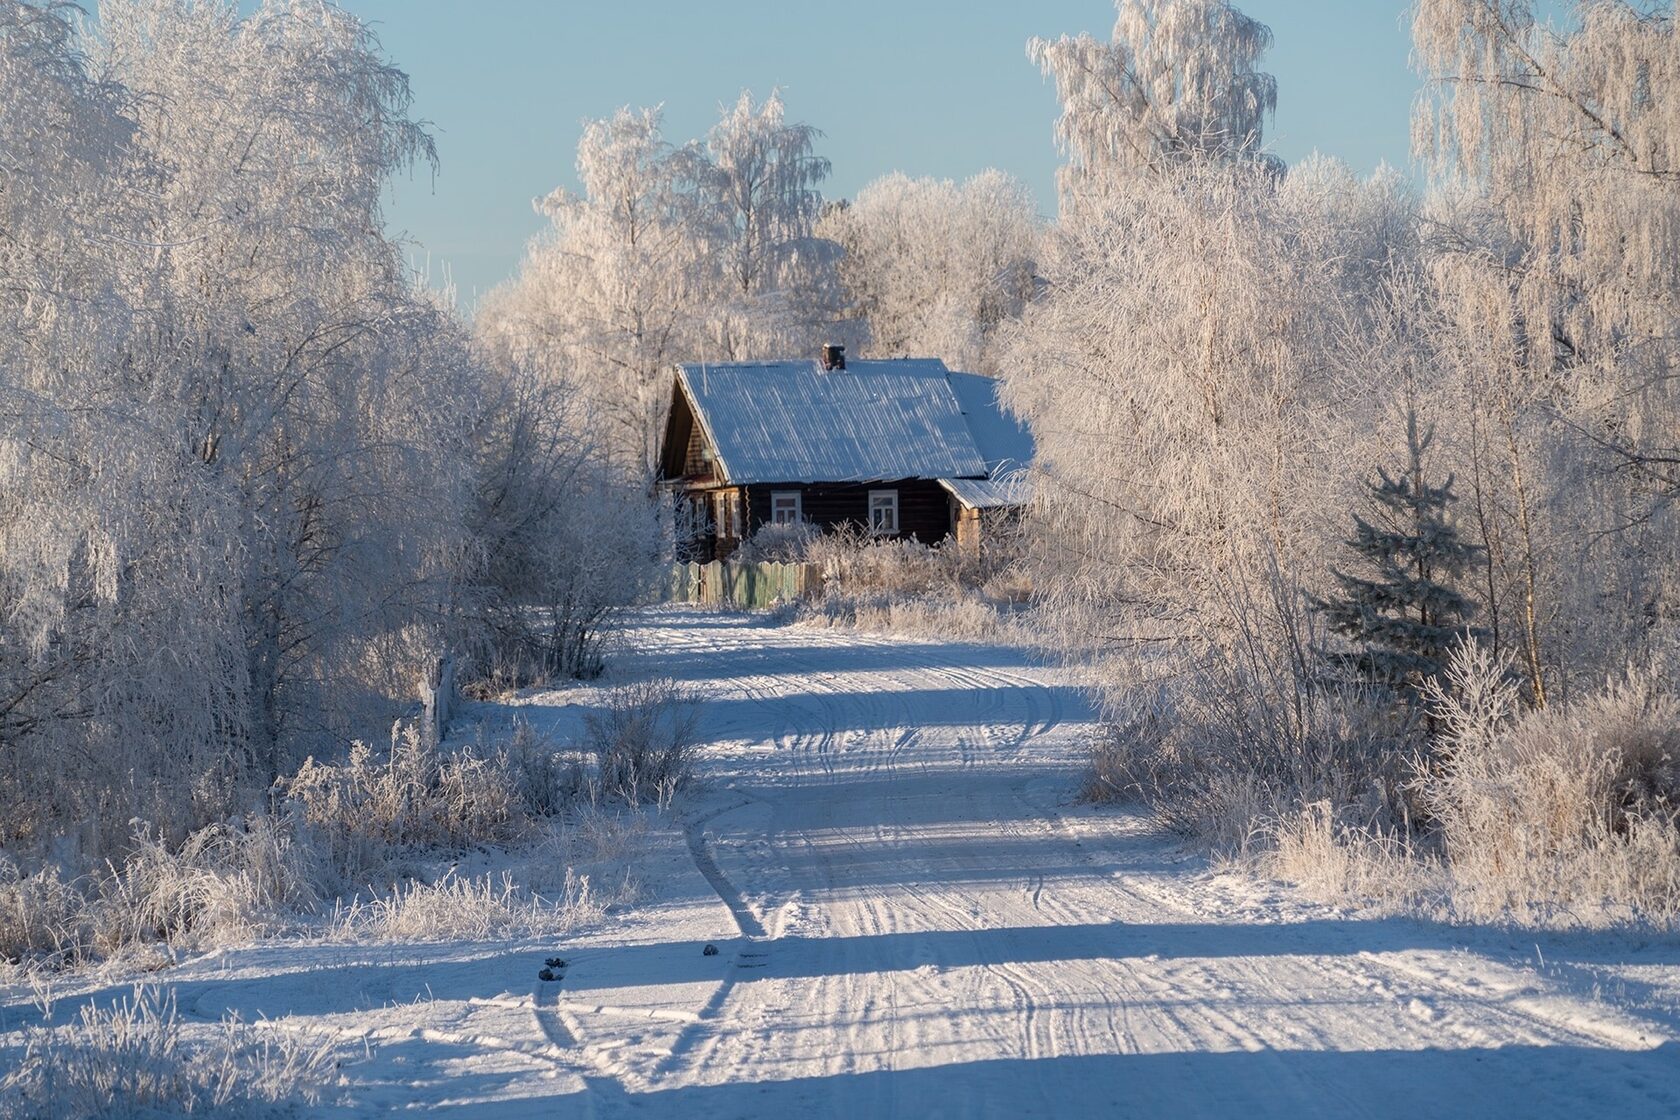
742	586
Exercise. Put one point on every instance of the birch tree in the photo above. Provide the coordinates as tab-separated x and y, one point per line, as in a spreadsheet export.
1180	79
935	267
1554	152
671	253
611	296
778	291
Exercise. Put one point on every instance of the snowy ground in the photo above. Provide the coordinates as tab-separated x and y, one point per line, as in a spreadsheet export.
915	920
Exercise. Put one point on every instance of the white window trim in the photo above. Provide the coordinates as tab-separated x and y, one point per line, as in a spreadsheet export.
729	514
776	497
891	502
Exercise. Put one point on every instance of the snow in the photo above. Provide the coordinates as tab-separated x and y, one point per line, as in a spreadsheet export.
1003	441
794	422
990	493
916	919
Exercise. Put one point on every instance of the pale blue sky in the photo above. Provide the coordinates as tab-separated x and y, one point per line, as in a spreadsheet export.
928	87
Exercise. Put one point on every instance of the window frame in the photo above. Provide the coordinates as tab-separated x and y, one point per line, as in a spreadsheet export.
891	502
729	514
776	497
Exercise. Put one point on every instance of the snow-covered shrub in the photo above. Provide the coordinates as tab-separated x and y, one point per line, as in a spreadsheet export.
1318	849
477	908
1575	808
787	542
561	539
548	781
417	797
856	563
42	917
903	586
222	883
645	741
1227	753
136	1060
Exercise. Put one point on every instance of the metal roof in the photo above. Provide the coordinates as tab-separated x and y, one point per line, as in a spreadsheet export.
792	421
1011	490
1003	441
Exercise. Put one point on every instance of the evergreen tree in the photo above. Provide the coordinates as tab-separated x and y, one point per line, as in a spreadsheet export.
1404	614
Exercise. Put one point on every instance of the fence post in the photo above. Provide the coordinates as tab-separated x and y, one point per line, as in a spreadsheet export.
437	699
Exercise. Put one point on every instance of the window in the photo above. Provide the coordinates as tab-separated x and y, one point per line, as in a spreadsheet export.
883	512
785	507
729	514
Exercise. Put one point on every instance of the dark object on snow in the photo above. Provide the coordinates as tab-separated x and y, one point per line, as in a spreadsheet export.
555	962
548	974
709	951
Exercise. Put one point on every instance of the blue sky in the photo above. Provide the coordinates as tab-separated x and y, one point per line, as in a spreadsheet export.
928	87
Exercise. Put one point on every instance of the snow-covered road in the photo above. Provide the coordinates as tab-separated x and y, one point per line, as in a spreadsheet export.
915	919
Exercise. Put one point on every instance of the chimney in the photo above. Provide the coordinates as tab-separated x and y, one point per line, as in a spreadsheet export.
833	357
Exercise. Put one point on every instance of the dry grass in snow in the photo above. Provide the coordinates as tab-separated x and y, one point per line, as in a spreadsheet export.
133	1059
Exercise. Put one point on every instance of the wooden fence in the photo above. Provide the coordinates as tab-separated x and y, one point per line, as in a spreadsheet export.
742	586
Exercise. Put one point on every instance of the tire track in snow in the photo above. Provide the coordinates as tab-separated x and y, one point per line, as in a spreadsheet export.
948	841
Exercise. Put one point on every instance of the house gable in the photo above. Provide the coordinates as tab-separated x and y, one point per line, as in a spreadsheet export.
686	452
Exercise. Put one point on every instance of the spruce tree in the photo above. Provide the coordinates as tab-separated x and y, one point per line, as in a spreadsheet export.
1403	614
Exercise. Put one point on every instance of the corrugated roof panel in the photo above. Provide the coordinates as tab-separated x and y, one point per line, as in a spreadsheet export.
990	493
794	422
1003	441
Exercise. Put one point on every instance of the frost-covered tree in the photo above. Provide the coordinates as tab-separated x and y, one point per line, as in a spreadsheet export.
252	476
560	538
1404	613
1558	219
1195	374
934	267
1179	80
287	347
612	294
760	190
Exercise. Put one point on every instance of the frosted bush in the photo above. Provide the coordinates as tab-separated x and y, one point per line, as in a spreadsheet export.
134	1059
1572	809
905	587
1338	861
224	883
779	543
645	741
476	908
41	916
416	797
1226	752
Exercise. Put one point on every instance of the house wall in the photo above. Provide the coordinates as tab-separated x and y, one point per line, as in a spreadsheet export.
924	508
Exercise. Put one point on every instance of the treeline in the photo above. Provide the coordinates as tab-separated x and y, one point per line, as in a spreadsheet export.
252	477
725	250
1363	495
1359	494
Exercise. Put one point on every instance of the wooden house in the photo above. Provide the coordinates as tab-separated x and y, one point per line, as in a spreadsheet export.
902	448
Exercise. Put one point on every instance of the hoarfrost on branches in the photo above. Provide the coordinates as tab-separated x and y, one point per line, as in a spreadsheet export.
1179	79
936	267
